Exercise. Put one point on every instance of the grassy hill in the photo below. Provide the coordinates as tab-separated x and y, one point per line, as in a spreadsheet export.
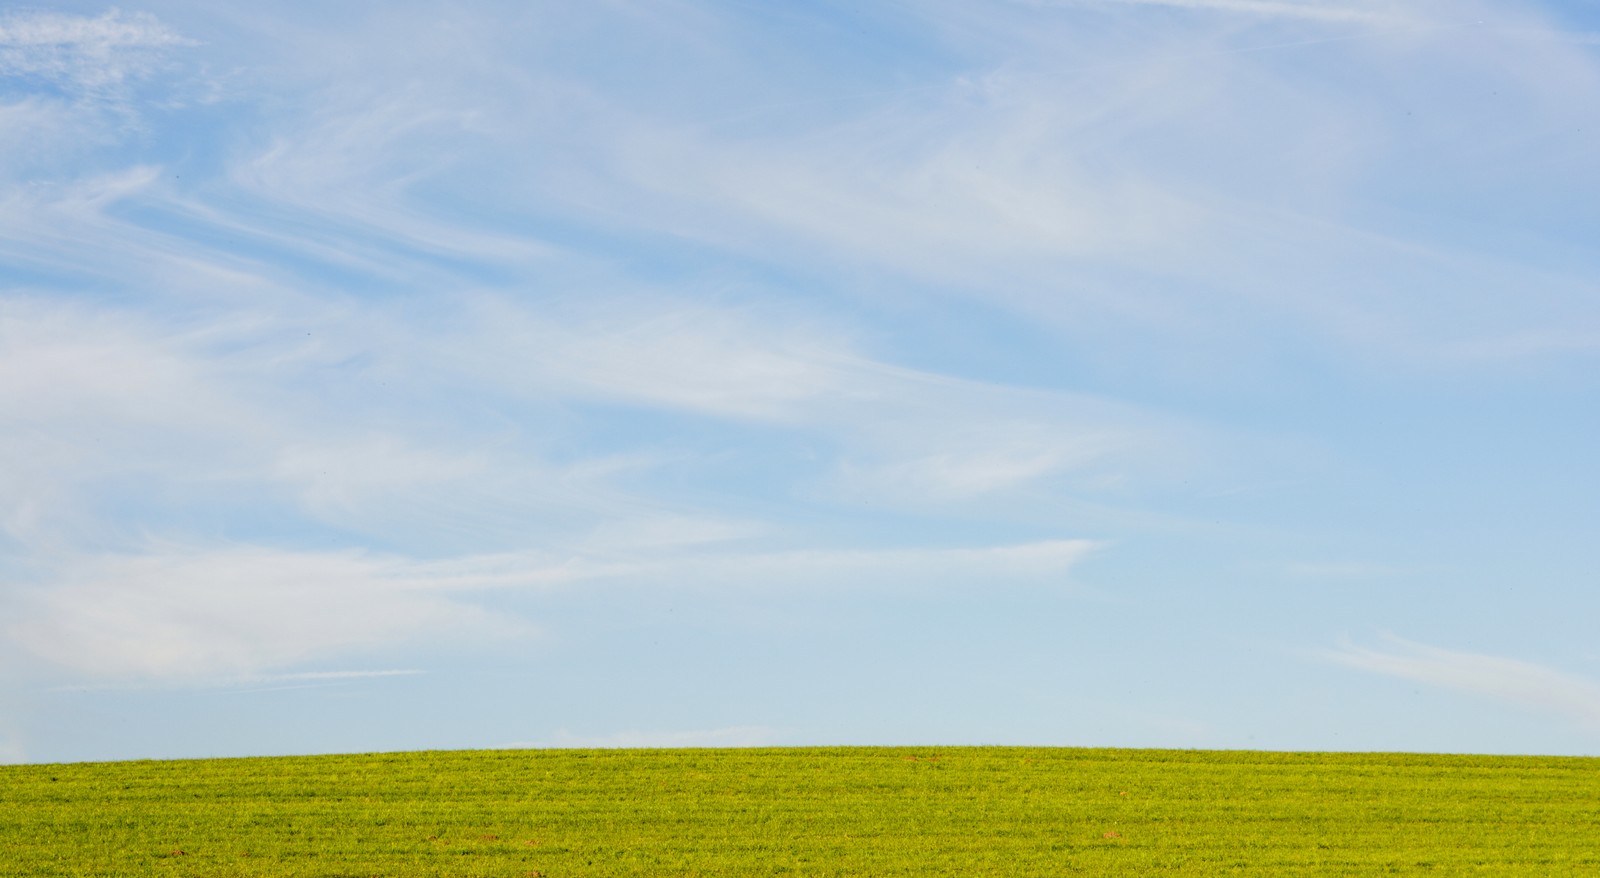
955	811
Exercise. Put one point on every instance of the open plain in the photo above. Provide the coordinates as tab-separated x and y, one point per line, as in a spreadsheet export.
964	811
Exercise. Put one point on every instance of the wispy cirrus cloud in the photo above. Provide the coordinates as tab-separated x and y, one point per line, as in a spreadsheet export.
81	53
197	615
208	404
970	186
226	615
963	186
1044	562
1499	677
450	312
902	435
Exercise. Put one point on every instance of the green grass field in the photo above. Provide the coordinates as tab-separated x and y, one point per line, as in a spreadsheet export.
835	811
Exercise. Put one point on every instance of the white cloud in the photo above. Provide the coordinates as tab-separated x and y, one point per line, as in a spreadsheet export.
973	191
92	398
1046	562
656	566
45	225
351	169
80	52
1498	677
117	422
661	353
353	480
986	470
1092	183
205	416
901	435
1059	190
37	133
249	614
103	400
1045	188
949	443
228	613
63	361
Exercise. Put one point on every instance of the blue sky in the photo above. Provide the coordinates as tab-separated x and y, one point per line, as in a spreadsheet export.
1178	373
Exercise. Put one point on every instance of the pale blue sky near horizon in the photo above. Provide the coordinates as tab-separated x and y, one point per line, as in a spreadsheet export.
1148	373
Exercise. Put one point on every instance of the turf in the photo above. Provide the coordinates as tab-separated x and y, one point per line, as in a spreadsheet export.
834	811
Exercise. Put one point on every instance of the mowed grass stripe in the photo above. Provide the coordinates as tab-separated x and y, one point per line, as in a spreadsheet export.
829	811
